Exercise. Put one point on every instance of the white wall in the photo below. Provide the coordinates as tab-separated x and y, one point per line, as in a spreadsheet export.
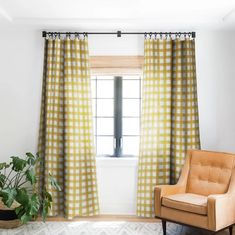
117	185
21	55
215	57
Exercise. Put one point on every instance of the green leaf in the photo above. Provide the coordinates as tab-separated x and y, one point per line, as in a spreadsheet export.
22	197
48	196
38	156
25	218
31	159
45	207
18	209
46	204
30	155
18	164
30	205
34	205
8	196
54	182
2	180
4	165
30	176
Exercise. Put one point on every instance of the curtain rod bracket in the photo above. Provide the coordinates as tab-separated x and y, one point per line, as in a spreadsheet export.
119	34
44	34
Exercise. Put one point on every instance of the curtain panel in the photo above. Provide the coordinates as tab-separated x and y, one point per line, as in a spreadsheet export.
66	141
169	118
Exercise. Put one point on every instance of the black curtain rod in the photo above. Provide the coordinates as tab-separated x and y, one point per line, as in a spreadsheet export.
120	33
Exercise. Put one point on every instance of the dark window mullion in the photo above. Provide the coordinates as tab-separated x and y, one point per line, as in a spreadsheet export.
118	116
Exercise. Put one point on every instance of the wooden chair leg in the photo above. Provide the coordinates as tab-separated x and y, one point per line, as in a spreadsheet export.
164	227
231	230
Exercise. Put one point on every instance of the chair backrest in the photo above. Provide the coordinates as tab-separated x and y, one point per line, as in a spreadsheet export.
209	172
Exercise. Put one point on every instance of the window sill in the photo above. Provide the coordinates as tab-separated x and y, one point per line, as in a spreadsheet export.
117	161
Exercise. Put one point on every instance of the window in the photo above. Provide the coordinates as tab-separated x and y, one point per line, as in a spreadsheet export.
116	104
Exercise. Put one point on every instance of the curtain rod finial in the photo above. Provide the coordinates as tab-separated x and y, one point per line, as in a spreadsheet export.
44	34
119	34
193	34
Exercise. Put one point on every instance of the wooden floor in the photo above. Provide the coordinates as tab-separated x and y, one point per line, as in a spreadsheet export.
107	218
173	229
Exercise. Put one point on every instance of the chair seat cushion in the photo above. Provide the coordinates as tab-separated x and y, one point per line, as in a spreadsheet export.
187	202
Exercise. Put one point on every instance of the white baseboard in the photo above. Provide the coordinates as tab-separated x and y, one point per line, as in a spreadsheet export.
118	209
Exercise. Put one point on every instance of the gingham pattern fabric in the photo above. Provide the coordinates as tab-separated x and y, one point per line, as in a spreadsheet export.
169	118
66	134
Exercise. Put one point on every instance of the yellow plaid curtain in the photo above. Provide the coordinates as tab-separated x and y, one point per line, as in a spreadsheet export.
66	133
169	119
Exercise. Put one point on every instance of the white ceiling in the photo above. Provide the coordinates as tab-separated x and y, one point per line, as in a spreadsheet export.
119	14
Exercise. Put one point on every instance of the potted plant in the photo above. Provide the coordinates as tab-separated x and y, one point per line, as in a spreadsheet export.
21	200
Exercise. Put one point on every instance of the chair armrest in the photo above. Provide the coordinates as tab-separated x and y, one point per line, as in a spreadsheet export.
221	210
165	190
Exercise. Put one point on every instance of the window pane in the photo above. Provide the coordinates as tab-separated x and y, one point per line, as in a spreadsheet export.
131	107
93	107
104	126
131	126
131	145
104	145
104	89
93	88
105	107
131	89
94	126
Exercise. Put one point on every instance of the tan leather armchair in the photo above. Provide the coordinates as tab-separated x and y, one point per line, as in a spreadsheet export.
204	196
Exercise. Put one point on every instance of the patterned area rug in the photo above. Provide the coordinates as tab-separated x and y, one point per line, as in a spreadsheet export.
101	228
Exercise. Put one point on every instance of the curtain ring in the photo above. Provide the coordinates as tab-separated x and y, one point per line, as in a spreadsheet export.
185	35
145	35
166	35
150	35
155	36
161	35
59	35
77	35
68	35
50	35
